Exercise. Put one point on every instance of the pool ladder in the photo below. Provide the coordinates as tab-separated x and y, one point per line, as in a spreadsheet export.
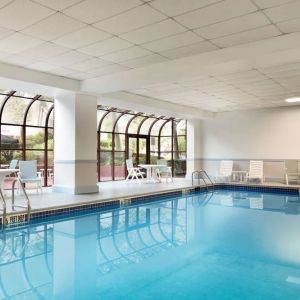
3	209
201	174
27	205
27	202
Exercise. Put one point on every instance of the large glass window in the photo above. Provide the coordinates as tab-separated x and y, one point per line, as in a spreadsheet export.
26	127
154	137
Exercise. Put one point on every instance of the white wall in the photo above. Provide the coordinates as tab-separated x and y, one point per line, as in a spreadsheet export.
260	134
272	135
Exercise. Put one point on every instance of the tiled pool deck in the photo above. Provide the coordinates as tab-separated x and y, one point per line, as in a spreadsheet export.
111	193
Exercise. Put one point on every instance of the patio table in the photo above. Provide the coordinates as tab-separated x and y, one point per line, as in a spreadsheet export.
150	172
49	171
239	176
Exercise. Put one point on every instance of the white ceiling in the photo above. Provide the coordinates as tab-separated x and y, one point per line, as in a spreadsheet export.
254	88
87	39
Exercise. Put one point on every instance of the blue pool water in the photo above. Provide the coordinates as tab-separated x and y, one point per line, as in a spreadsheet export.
221	245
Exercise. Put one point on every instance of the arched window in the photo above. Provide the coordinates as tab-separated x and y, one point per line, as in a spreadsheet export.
26	130
145	138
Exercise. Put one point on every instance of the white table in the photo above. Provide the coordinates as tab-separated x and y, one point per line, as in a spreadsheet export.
150	172
49	171
239	176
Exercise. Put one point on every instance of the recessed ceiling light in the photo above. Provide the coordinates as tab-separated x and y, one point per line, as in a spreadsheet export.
294	99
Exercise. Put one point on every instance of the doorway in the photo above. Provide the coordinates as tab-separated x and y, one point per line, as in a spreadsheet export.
138	148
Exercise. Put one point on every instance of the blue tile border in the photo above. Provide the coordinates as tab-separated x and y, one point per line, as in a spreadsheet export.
66	211
72	209
267	189
111	204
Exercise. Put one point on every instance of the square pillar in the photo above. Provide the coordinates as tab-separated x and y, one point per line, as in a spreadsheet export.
193	154
75	144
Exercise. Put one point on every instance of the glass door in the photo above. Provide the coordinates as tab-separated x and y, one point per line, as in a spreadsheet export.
138	149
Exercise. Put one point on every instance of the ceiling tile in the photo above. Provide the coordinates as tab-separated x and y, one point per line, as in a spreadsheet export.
5	2
126	54
42	66
280	68
19	60
177	7
81	76
5	32
289	26
174	41
93	63
216	13
44	51
107	46
286	74
153	32
91	11
82	37
68	58
61	71
283	12
108	70
18	42
53	27
247	36
144	61
189	50
235	25
132	19
269	3
22	13
239	75
57	4
3	54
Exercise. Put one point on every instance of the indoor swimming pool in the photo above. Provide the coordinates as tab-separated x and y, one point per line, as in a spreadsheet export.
220	244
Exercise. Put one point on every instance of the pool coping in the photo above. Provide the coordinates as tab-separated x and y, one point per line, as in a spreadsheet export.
20	217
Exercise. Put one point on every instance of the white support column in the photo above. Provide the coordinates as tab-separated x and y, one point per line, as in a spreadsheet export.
75	144
193	147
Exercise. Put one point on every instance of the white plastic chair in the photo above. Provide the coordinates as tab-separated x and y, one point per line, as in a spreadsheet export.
256	170
165	171
225	170
13	165
28	173
133	172
291	170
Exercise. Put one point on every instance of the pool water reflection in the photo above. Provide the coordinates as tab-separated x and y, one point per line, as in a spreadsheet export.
221	245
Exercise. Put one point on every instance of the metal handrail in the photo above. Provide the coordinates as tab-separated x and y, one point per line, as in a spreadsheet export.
201	172
28	205
3	209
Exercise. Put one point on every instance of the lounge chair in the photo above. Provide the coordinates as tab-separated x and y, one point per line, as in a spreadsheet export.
225	170
133	172
256	170
165	171
28	173
291	170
